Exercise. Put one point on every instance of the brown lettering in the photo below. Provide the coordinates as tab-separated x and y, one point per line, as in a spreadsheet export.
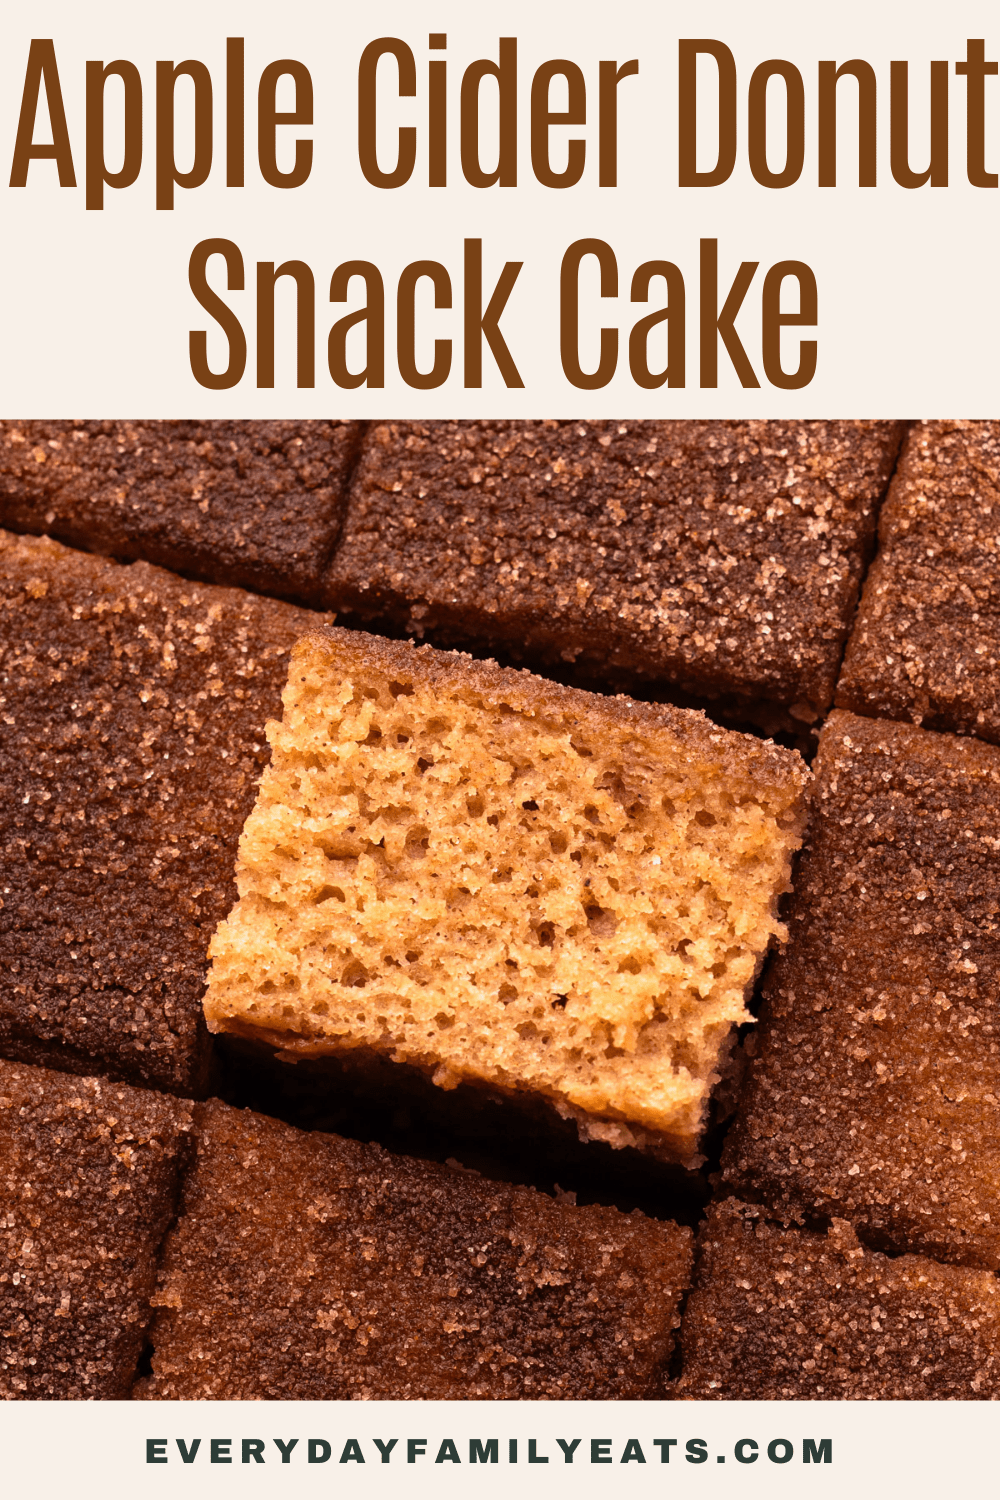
97	171
829	75
234	111
716	325
976	69
773	320
217	309
368	112
569	315
167	174
372	315
437	113
42	69
609	76
687	113
478	323
672	315
795	115
406	319
305	322
542	118
899	127
269	118
505	73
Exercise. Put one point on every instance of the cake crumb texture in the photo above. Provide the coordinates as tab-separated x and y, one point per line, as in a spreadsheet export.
90	1173
258	504
926	646
875	1091
305	1267
722	557
505	881
781	1314
133	707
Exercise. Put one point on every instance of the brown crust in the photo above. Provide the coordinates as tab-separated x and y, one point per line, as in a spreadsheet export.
739	756
780	1314
134	708
875	1088
723	557
926	646
91	1173
360	1274
257	504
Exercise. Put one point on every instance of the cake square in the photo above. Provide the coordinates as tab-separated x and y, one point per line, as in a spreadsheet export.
257	504
506	882
780	1314
875	1090
722	558
306	1267
926	646
133	709
90	1175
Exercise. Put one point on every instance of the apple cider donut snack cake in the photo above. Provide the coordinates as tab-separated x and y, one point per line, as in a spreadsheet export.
132	717
874	1094
723	558
305	1267
506	882
258	504
926	645
783	1314
90	1173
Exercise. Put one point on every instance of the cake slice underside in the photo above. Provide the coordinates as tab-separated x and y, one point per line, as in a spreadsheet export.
505	882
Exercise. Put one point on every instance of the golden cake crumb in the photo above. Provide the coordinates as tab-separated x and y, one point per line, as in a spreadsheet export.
504	881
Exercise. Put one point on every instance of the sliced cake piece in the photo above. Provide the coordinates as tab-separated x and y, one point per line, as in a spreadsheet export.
252	503
781	1314
90	1173
132	707
503	881
926	645
722	558
305	1267
875	1092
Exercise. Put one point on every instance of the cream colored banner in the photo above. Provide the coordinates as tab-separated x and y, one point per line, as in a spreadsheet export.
558	1451
790	287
